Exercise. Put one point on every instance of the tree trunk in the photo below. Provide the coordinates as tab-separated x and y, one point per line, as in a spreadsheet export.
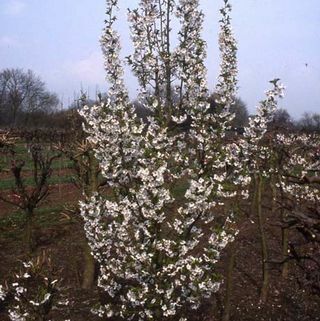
89	269
264	246
254	198
274	197
229	284
285	247
29	238
284	239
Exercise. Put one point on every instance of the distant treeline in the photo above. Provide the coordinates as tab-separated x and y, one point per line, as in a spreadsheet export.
26	103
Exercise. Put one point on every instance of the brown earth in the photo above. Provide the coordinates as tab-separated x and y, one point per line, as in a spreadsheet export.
62	238
6	175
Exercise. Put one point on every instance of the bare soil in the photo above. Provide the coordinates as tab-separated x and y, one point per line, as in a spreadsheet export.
62	237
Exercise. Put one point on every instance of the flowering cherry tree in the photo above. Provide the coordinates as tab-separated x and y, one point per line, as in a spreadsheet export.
156	251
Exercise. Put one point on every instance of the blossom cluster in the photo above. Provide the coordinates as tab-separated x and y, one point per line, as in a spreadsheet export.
22	302
258	124
145	62
255	151
189	57
299	154
227	80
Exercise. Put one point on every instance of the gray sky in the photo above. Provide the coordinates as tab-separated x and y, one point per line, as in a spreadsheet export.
58	39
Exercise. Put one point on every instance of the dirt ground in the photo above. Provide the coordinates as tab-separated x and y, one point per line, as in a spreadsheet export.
60	234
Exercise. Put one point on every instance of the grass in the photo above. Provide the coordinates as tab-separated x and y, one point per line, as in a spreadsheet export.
7	184
22	153
60	163
49	216
44	217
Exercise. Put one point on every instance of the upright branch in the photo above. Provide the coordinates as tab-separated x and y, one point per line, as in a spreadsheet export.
110	45
152	61
227	80
226	87
144	61
259	160
190	56
166	56
258	124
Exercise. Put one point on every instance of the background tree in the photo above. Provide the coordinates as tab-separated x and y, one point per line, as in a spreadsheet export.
239	109
309	122
22	95
282	120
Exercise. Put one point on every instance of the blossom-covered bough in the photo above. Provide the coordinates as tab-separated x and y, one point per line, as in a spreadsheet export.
298	195
287	164
157	250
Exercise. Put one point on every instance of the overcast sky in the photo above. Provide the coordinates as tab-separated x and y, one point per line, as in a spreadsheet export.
58	39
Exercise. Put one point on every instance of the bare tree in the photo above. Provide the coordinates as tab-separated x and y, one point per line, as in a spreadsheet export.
309	122
282	120
22	94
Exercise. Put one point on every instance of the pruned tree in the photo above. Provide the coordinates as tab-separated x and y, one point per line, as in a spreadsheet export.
300	195
288	165
25	197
